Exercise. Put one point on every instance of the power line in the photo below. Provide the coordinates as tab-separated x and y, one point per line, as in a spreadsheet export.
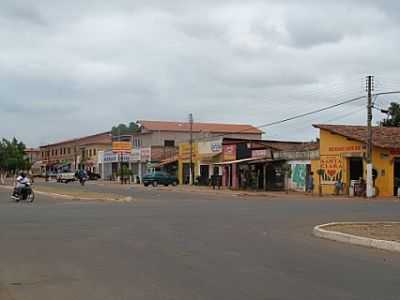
336	118
311	112
293	117
307	113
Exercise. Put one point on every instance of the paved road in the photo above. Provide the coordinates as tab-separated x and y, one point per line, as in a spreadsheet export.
184	246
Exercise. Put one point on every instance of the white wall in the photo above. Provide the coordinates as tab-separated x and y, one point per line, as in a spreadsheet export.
157	138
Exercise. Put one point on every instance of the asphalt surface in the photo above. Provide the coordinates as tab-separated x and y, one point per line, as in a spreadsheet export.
176	245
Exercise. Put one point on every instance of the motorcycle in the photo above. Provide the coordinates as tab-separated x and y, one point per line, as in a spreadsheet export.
27	194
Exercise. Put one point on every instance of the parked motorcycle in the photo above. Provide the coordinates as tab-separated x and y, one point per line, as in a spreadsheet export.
27	194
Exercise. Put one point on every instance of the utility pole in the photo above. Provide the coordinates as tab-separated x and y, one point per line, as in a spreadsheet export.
370	187
191	149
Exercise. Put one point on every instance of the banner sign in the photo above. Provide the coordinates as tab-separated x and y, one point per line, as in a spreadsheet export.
209	147
229	152
135	155
261	153
332	169
125	147
145	154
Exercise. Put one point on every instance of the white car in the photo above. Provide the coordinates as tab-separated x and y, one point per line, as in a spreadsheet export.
66	177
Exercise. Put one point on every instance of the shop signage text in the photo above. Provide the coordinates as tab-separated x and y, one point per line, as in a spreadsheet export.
261	153
332	169
125	147
345	148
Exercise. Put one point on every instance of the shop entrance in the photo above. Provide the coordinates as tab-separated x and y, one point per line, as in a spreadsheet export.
356	168
204	174
396	176
186	173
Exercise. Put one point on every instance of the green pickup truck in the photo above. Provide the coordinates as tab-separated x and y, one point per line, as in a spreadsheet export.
158	177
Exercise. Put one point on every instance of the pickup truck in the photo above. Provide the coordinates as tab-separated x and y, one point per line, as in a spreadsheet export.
66	177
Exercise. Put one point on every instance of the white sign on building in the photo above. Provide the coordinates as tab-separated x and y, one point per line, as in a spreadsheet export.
145	154
208	147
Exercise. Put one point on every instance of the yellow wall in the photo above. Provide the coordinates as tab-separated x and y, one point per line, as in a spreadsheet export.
184	157
339	147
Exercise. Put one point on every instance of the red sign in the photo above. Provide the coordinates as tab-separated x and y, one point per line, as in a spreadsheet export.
229	152
395	152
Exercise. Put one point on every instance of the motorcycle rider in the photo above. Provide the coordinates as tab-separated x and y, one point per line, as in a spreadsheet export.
22	181
82	175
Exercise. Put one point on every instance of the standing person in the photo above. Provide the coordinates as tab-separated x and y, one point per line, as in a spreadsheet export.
310	183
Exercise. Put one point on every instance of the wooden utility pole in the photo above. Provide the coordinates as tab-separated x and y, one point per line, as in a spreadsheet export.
370	88
191	149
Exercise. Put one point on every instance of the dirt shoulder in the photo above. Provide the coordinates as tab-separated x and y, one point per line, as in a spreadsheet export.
59	192
380	231
83	195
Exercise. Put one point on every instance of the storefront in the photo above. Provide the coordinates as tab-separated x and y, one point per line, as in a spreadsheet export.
204	155
185	152
342	159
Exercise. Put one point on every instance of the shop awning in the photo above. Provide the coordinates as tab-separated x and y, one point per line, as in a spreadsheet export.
167	162
251	159
263	160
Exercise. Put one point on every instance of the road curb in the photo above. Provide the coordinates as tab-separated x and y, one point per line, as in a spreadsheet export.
320	232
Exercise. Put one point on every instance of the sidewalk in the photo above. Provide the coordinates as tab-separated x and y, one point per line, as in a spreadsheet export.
210	190
242	193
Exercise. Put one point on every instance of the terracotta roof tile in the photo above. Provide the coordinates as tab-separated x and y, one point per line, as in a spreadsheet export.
292	146
383	137
100	138
199	127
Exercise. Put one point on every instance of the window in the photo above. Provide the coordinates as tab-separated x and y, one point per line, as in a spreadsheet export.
56	152
137	143
94	151
69	150
169	143
90	153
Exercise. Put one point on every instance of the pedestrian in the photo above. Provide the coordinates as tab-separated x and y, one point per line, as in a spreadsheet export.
310	183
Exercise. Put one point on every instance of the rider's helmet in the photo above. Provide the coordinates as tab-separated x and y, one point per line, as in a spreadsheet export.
22	174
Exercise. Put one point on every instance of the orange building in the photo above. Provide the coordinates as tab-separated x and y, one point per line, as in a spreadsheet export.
343	153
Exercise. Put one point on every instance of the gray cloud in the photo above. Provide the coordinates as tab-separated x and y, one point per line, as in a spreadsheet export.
75	67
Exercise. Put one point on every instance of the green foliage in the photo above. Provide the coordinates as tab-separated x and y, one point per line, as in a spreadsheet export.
12	156
393	119
122	129
125	172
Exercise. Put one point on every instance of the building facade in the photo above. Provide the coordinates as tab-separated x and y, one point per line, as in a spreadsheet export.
70	155
247	164
342	159
156	144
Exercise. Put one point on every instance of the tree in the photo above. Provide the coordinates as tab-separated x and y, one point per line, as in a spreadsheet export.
122	129
12	156
393	119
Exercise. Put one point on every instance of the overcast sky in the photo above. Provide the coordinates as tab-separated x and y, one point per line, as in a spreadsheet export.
70	68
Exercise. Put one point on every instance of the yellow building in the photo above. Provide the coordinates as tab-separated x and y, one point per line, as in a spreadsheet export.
204	155
184	162
342	158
